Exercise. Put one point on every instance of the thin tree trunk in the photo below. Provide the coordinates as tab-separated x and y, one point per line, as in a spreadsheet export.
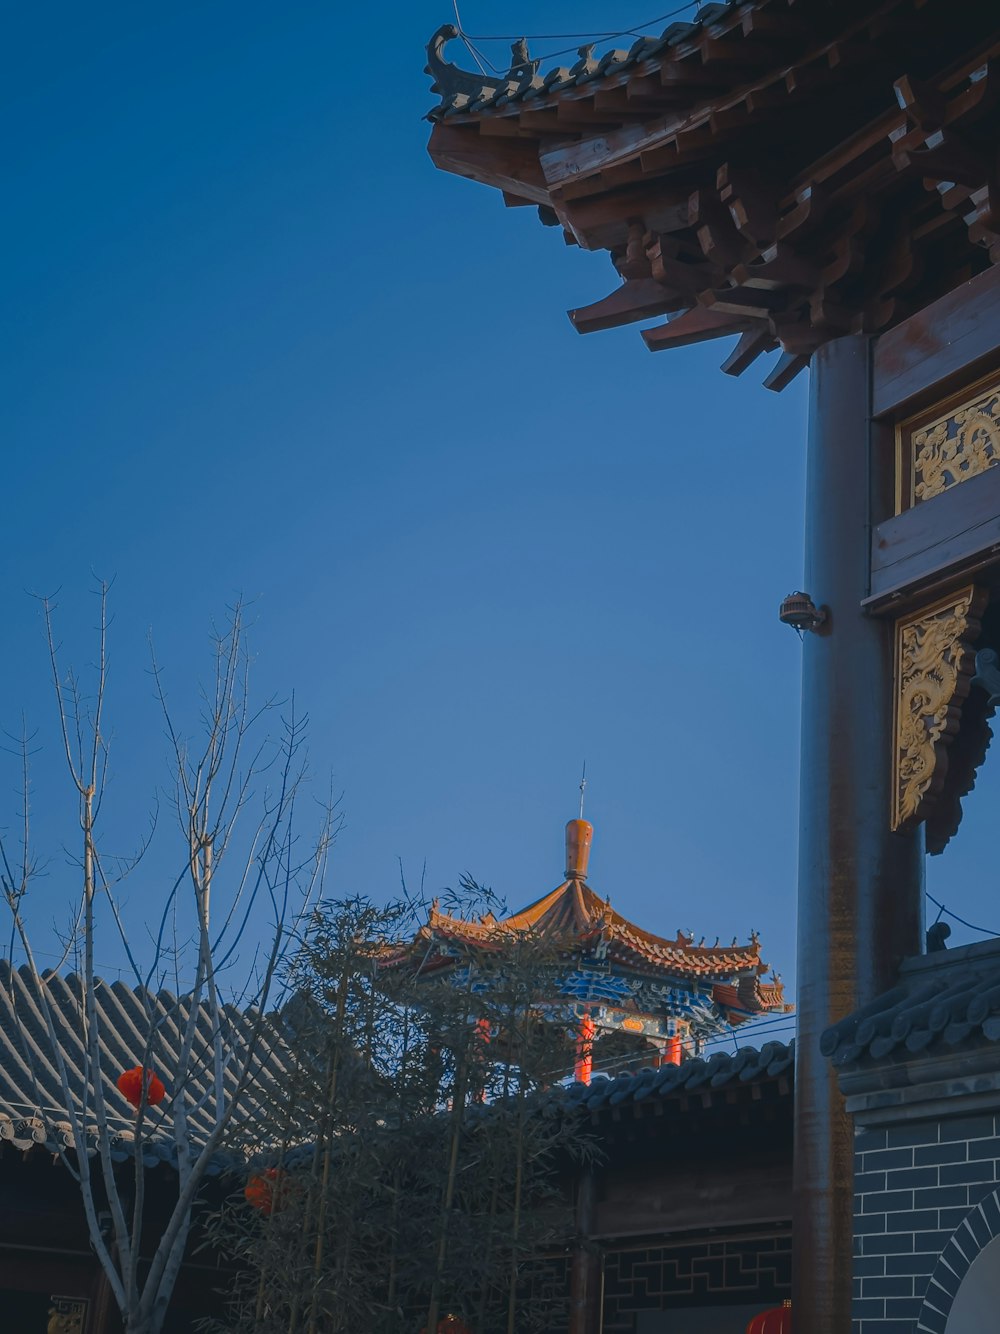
516	1220
331	1098
458	1108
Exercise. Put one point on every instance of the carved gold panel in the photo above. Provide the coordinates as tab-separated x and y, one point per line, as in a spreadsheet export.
935	662
67	1315
949	443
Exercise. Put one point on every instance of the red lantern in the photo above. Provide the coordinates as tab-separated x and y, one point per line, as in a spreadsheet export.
265	1191
130	1086
777	1321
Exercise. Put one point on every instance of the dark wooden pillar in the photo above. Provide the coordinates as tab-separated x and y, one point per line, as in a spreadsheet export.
860	886
585	1266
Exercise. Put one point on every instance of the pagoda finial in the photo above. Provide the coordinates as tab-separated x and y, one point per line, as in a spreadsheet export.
579	836
583	787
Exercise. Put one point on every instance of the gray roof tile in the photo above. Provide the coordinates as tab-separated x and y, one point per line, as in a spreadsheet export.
669	1081
32	1105
943	1001
461	91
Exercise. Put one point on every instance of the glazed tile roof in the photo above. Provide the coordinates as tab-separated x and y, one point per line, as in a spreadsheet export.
944	1002
573	916
32	1111
467	93
581	925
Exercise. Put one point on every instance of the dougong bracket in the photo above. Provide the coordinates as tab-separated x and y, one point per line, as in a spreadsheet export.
935	663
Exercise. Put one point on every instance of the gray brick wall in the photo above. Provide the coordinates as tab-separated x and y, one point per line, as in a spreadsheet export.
914	1184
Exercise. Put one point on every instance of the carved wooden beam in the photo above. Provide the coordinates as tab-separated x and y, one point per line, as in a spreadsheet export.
747	350
506	164
752	202
789	365
694	326
935	663
636	299
720	242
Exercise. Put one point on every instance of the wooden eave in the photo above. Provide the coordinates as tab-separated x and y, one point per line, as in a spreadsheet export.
732	199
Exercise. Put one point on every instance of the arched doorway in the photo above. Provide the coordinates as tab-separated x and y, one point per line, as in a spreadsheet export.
978	1298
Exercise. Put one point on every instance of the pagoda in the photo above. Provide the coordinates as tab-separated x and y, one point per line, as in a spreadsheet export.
658	1000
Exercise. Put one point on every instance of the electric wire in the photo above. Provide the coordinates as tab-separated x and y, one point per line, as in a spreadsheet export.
472	50
637	31
984	931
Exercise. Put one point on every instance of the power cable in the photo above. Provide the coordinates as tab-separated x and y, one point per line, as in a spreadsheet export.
955	917
468	43
636	31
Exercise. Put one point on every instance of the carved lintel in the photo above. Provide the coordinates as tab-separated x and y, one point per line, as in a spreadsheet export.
935	663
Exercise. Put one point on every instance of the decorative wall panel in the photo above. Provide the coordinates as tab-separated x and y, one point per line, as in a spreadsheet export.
949	443
935	662
682	1275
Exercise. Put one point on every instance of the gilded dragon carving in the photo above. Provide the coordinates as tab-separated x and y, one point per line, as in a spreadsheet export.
957	446
935	662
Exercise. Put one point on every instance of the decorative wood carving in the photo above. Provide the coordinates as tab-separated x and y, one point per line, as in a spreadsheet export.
935	662
948	445
67	1315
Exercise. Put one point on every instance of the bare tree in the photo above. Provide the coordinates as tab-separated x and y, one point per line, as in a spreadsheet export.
243	882
414	1174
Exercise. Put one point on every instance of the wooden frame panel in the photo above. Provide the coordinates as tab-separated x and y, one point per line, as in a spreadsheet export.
927	367
936	543
926	355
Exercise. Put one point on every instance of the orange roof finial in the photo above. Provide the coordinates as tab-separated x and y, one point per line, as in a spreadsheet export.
579	836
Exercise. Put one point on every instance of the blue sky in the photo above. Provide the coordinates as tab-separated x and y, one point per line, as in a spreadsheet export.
256	345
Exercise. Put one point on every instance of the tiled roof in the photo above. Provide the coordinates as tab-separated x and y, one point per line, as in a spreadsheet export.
32	1109
579	922
584	928
573	914
31	1114
700	1075
943	1001
466	93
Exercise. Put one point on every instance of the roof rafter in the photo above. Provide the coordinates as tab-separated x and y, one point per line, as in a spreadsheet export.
709	162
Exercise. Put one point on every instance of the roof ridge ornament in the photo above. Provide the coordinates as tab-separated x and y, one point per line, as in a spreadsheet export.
451	81
579	835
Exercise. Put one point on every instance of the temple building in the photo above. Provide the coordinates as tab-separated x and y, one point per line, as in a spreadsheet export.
816	181
629	997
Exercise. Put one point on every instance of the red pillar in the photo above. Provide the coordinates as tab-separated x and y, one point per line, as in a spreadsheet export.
584	1051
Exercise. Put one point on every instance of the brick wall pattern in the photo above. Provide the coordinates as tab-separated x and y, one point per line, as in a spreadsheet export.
925	1204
